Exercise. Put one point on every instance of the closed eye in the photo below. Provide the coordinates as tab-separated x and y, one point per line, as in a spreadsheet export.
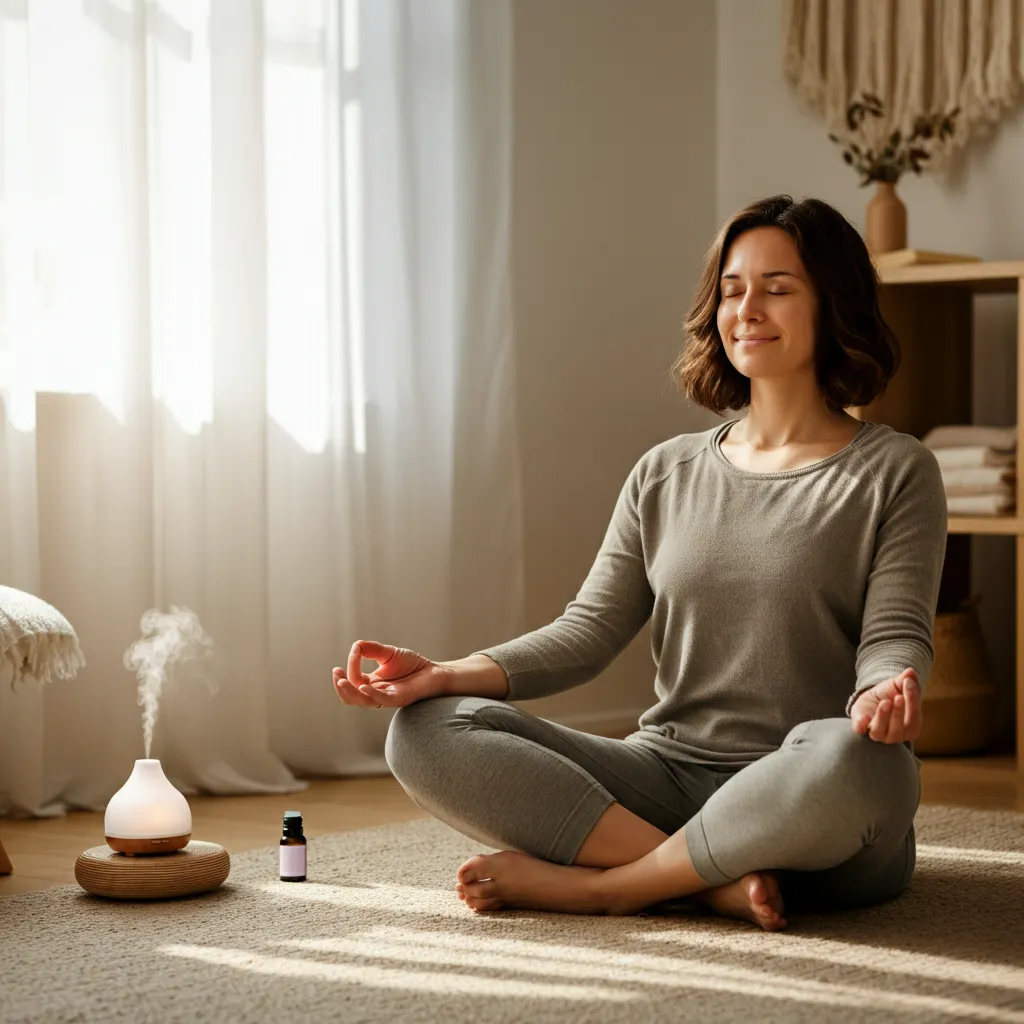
736	295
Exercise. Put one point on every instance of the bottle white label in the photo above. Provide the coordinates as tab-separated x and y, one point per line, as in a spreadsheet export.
293	861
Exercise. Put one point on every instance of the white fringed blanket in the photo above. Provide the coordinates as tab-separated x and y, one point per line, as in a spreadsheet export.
36	641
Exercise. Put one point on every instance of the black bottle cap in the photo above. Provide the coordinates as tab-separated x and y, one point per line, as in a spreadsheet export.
294	816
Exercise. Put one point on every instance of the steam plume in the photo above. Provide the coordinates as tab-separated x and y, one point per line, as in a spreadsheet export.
167	637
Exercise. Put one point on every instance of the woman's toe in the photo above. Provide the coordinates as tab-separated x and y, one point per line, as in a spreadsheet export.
487	904
482	890
470	871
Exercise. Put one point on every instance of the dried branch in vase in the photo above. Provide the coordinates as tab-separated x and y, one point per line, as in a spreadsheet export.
877	157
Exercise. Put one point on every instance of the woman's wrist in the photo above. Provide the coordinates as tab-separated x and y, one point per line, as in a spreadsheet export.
475	676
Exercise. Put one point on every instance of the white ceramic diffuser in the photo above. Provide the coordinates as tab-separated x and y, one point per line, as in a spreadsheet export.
147	814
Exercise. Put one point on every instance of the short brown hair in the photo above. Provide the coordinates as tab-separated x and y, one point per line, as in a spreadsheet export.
856	352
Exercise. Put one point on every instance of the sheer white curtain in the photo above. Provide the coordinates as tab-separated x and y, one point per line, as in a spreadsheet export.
256	360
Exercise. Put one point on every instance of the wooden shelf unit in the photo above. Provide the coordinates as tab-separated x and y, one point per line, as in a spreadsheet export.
930	307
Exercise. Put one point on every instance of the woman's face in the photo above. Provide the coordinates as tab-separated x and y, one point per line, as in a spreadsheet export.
768	308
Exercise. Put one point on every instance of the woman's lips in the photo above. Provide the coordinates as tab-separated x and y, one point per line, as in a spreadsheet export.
754	341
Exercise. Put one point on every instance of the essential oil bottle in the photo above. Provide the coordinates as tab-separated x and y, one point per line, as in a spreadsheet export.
293	849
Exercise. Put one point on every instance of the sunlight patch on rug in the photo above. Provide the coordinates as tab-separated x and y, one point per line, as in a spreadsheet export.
847	954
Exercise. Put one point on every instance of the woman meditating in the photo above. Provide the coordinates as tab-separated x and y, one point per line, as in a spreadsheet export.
789	563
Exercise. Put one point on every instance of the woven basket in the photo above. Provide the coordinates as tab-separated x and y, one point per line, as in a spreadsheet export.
959	698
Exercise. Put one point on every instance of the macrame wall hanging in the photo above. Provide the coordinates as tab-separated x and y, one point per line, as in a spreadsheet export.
899	82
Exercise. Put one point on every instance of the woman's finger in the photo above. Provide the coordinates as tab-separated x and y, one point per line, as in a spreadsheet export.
901	705
348	693
354	695
895	731
344	690
374	694
378	652
912	692
365	695
354	671
862	714
873	723
880	723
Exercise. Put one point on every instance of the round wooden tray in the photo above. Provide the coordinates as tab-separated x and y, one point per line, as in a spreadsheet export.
199	867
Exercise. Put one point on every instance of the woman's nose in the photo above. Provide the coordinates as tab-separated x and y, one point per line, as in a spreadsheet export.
749	307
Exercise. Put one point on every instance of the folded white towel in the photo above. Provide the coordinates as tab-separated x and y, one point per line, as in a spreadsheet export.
963	434
1004	489
978	478
979	504
974	455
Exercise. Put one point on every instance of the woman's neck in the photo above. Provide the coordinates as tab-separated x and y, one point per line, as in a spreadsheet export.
781	416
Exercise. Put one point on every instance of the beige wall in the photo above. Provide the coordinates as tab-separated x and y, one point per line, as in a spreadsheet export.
613	206
640	125
766	143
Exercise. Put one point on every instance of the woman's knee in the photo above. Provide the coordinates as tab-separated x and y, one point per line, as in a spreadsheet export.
414	729
880	778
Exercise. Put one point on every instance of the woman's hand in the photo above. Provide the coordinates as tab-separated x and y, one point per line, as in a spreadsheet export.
890	711
401	677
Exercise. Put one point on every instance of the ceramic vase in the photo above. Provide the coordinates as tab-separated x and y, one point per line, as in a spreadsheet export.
885	223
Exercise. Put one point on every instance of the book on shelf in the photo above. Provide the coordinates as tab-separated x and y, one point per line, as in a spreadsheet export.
917	257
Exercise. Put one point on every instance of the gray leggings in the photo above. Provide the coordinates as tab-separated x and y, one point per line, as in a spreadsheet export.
832	812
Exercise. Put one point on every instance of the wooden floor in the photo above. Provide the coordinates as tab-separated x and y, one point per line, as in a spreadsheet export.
43	851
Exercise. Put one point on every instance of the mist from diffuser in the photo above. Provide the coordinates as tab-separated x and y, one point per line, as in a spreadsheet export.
167	638
147	814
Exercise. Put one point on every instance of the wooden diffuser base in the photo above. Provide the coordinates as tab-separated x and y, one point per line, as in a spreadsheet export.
198	867
168	844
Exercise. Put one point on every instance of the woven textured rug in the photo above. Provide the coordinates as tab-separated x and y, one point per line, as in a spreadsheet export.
378	933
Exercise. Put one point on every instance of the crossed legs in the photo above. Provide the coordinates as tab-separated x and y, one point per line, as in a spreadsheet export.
831	811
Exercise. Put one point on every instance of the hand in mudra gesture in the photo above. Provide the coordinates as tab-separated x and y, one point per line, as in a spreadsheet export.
401	677
890	711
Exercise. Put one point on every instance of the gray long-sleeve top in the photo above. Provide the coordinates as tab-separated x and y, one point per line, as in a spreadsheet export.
774	598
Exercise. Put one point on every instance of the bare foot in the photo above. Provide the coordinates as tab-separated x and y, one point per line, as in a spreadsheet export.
497	881
754	897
